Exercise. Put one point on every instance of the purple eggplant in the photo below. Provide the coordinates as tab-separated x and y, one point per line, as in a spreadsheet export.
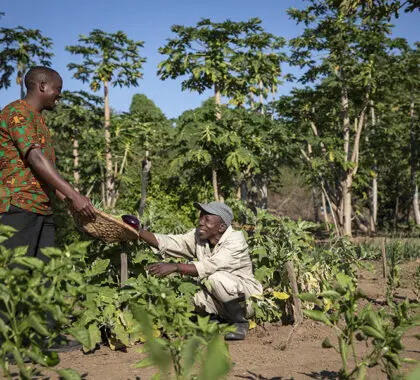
132	221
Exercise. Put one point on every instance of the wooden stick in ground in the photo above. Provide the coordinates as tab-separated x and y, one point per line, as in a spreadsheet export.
124	265
297	310
383	252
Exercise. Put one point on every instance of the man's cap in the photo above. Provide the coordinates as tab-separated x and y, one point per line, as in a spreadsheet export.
217	208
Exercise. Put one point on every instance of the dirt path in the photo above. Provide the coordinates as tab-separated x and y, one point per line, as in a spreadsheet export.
260	356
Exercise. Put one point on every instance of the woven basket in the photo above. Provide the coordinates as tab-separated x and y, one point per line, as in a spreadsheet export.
106	228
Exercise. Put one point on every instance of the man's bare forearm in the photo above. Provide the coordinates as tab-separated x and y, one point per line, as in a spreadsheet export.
189	269
46	171
149	238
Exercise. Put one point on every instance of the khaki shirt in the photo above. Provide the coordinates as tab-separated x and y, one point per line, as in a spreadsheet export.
230	254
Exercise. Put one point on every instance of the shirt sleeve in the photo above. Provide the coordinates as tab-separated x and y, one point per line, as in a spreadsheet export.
23	131
177	245
230	256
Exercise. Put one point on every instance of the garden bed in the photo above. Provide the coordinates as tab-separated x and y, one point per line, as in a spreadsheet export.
261	355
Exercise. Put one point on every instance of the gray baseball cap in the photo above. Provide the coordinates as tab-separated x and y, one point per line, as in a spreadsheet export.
217	208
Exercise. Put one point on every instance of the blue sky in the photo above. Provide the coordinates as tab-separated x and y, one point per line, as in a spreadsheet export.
150	21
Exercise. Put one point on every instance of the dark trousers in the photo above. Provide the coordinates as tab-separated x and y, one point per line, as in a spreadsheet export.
33	230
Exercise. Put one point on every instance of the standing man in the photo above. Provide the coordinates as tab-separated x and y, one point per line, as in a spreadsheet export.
27	166
217	254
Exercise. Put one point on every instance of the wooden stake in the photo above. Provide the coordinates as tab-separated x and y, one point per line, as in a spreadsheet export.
383	252
124	265
298	314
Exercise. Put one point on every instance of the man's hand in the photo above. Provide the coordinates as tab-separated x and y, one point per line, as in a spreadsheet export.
83	206
162	269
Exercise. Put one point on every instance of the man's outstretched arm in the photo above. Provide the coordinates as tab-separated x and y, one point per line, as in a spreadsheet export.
163	269
46	171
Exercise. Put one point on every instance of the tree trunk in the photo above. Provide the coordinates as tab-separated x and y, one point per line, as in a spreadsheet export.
347	182
396	211
264	193
146	165
297	312
76	173
347	206
374	190
315	205
373	205
243	191
324	207
261	98
213	166
413	164
109	180
353	157
20	76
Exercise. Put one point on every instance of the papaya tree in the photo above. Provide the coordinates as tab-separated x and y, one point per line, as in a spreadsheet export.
108	59
20	49
213	55
350	47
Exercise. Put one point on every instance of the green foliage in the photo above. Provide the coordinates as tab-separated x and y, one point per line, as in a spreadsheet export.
35	302
212	353
108	57
22	48
337	307
232	57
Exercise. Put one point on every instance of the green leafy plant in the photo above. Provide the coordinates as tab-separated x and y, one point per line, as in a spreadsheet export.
36	300
206	353
382	330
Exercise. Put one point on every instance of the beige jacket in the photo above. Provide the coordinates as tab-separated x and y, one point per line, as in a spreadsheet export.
230	254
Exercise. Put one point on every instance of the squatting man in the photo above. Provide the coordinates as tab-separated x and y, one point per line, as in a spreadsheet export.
218	254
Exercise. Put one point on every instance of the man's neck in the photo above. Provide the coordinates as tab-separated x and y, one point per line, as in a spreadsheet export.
214	240
33	102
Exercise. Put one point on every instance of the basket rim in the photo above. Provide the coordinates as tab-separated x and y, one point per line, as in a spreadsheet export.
116	221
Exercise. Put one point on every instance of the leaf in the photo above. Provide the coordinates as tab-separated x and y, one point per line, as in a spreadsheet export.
98	267
317	315
330	294
374	321
308	297
30	262
216	363
370	331
189	354
326	343
158	354
344	281
146	362
415	375
281	295
89	338
68	374
252	324
36	323
4	329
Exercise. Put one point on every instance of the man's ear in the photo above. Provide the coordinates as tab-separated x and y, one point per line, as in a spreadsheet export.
222	227
41	86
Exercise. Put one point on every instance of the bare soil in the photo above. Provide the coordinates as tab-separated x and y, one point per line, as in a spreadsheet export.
261	355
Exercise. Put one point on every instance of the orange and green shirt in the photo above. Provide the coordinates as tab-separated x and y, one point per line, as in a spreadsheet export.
21	129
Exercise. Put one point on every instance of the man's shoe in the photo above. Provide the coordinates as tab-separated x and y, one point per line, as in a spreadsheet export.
240	333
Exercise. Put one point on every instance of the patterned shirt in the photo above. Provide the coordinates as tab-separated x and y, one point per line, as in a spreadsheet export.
230	254
21	129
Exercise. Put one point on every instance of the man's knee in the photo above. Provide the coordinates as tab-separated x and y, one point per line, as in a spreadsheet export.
224	286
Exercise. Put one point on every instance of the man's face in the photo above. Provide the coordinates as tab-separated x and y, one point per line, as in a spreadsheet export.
52	92
210	226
